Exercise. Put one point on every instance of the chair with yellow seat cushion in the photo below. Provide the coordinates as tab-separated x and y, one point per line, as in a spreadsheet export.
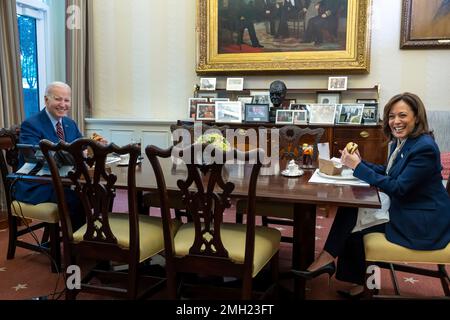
385	254
20	213
207	246
121	238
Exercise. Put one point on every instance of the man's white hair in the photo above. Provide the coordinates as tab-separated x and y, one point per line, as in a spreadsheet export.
56	84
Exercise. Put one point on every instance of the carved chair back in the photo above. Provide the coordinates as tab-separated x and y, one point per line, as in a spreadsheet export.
94	185
292	138
206	195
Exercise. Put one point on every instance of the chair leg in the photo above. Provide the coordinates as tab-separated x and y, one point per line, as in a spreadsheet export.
45	235
445	280
12	238
265	222
55	247
247	287
275	271
171	284
394	279
239	217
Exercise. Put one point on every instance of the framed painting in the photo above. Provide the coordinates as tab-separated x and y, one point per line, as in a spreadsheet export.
265	42
425	24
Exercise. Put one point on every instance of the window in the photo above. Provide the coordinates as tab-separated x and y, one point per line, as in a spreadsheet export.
32	24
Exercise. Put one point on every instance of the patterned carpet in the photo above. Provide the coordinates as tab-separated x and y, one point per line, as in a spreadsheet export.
28	275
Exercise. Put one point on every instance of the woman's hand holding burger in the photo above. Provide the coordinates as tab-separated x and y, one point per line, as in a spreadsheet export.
350	156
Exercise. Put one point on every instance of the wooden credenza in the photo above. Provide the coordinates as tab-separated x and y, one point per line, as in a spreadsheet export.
370	139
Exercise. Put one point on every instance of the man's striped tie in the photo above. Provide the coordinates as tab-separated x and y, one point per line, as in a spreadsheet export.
59	131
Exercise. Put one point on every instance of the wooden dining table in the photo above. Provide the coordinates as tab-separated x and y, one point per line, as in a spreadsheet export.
271	186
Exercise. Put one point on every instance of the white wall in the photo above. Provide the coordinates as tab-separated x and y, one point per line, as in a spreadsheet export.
56	64
145	61
145	67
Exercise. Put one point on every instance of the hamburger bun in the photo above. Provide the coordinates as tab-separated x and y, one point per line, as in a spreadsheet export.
351	147
96	137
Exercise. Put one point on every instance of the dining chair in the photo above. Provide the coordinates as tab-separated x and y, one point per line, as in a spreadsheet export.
379	251
208	246
117	238
23	218
290	148
190	131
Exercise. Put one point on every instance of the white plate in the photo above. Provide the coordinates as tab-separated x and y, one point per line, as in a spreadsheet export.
346	174
125	163
110	160
286	173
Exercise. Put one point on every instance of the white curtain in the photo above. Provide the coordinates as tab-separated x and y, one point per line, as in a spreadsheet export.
78	58
11	98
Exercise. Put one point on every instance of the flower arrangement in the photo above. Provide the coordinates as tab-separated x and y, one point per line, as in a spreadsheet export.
216	139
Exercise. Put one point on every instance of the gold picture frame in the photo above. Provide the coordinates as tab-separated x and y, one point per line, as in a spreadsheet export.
425	24
354	57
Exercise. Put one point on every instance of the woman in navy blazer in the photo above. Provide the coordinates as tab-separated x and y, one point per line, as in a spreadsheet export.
419	210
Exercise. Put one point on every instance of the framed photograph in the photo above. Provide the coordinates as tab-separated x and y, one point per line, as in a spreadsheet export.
322	113
350	113
301	106
363	101
192	106
346	46
218	99
337	83
370	115
300	117
206	111
229	111
298	106
209	95
328	97
284	117
256	112
425	24
260	97
207	83
286	103
245	99
235	84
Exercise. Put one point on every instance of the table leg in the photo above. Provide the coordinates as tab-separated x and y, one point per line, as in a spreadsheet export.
140	201
304	242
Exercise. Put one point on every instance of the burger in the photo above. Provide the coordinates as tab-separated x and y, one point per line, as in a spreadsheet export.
96	137
351	147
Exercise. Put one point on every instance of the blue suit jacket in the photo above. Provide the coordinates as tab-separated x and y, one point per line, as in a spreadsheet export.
33	130
420	206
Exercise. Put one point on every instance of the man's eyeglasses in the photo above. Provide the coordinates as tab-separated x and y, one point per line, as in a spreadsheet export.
60	99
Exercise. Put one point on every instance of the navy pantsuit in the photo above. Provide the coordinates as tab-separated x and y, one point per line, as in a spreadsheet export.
419	212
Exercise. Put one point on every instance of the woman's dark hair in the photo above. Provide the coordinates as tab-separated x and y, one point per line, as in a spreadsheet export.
416	105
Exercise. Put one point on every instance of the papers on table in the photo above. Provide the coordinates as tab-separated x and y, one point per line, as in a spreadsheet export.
316	178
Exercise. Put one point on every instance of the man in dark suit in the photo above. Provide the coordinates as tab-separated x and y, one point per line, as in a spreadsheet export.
325	21
52	124
267	12
245	14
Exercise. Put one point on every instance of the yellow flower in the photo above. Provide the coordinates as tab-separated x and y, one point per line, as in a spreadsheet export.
215	139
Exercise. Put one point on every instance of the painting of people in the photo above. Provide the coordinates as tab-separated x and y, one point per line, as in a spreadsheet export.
253	26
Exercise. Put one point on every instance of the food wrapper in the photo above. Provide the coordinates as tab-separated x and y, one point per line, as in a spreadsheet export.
330	167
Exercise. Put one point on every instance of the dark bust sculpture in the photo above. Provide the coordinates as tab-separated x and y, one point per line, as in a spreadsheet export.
277	93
